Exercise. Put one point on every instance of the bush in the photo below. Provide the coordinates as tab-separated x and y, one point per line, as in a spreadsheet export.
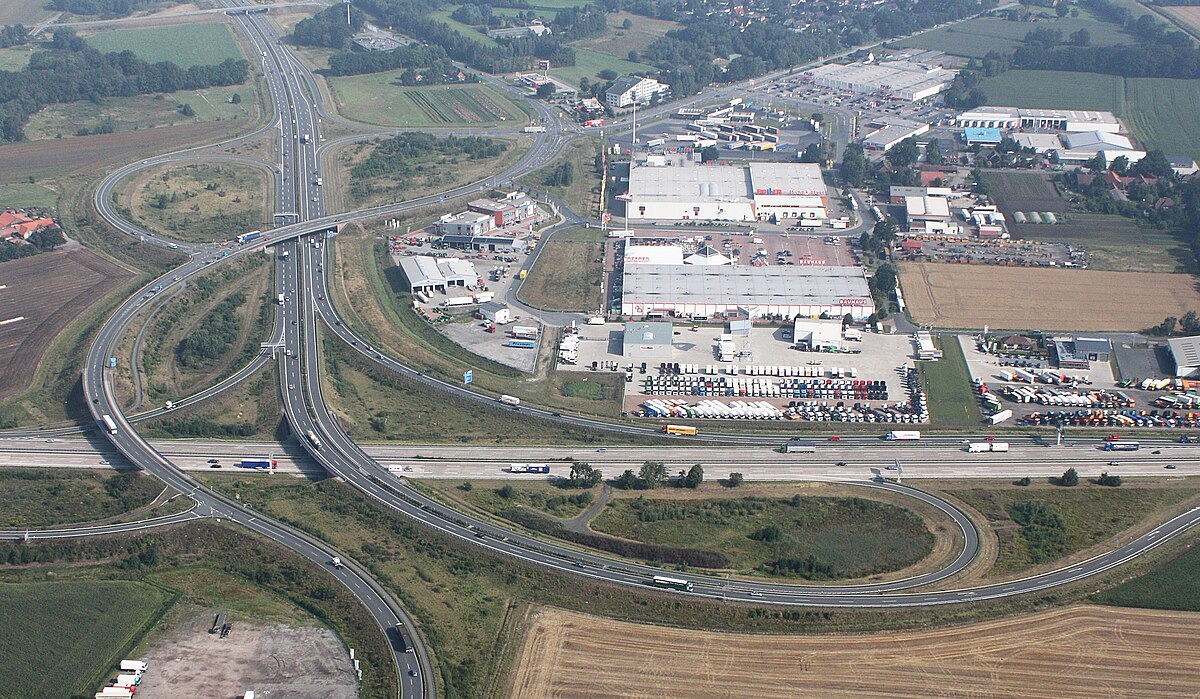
1070	478
735	479
507	492
1111	481
1024	481
769	534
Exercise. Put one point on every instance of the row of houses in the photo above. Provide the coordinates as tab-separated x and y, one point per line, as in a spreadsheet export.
16	226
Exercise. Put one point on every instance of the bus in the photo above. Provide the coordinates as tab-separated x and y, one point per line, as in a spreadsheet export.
1122	446
312	437
672	583
109	424
679	429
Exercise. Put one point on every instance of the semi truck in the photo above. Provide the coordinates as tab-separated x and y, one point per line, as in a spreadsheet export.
313	439
1122	446
454	301
529	468
247	237
534	129
320	182
265	464
793	448
279	299
134	665
999	417
127	681
522	344
304	138
336	562
484	296
525	332
109	424
980	447
902	435
510	400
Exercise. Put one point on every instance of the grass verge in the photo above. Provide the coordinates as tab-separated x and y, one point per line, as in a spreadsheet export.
45	497
201	203
947	382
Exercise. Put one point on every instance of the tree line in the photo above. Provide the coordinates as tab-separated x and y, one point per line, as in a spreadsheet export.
71	71
107	8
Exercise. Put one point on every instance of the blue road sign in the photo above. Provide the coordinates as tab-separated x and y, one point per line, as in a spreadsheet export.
468	376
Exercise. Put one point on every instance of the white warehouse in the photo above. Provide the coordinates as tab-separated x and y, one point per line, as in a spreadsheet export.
681	189
1069	120
904	80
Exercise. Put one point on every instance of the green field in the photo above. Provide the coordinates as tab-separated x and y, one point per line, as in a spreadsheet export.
14	58
1171	586
947	382
492	496
1089	514
589	63
185	45
464	29
60	638
22	195
376	98
1110	240
46	497
834	537
1158	110
974	38
568	273
618	41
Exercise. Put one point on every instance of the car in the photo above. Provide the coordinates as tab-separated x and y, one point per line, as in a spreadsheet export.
842	463
990	438
412	672
104	462
1156	451
1170	466
578	564
214	465
291	387
756	594
602	450
213	461
835	438
1114	463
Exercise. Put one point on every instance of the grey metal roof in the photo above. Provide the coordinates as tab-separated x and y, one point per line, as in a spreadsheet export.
742	285
647	334
1087	345
1186	350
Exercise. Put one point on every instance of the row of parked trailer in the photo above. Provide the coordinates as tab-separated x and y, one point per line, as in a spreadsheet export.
734	410
1113	418
1037	376
676	369
1058	397
125	684
856	389
898	414
1179	401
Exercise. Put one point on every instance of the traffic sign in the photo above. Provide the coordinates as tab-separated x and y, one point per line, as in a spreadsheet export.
468	376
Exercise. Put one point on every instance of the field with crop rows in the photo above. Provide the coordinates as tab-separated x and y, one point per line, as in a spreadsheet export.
453	106
971	296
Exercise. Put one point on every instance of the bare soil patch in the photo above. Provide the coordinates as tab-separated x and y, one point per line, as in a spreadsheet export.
1078	651
971	296
49	291
274	660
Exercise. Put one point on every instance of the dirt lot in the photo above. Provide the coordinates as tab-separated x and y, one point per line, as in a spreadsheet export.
274	660
49	291
1072	652
970	296
53	157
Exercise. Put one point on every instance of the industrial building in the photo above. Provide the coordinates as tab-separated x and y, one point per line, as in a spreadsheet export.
976	136
628	90
743	291
647	341
429	274
903	80
682	189
1008	118
817	334
1185	351
534	29
891	132
495	312
465	223
1079	352
929	216
514	207
486	242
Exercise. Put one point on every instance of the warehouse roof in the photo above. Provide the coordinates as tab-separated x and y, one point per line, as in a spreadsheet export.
421	271
647	334
927	206
1097	140
690	182
1088	345
743	285
1185	350
787	179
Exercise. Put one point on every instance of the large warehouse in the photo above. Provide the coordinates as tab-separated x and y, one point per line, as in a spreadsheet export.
1186	353
681	189
751	292
1069	120
903	80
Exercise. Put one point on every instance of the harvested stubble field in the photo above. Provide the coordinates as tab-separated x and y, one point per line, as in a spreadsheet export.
49	291
971	296
1083	651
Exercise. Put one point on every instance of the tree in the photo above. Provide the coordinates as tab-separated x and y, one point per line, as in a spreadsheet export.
904	153
854	165
1120	164
1111	481
933	153
651	474
236	99
812	154
1025	481
693	478
735	479
546	90
507	492
607	74
584	476
1167	327
466	486
627	24
626	481
187	110
709	154
1189	323
1081	37
1070	478
635	57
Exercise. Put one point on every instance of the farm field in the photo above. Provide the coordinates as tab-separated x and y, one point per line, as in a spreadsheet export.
144	112
971	296
1145	654
567	274
976	37
1076	518
1024	191
27	12
1160	111
375	98
206	202
73	156
81	624
618	42
1187	17
589	63
14	58
1117	244
1171	586
186	45
48	291
464	29
1050	89
23	195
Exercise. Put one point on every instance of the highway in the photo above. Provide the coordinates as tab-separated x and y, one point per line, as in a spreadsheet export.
299	248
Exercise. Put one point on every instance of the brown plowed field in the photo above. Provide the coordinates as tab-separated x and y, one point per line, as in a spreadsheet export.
71	156
49	290
971	296
1083	652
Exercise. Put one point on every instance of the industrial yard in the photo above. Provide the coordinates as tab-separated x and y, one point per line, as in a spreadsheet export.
1146	653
